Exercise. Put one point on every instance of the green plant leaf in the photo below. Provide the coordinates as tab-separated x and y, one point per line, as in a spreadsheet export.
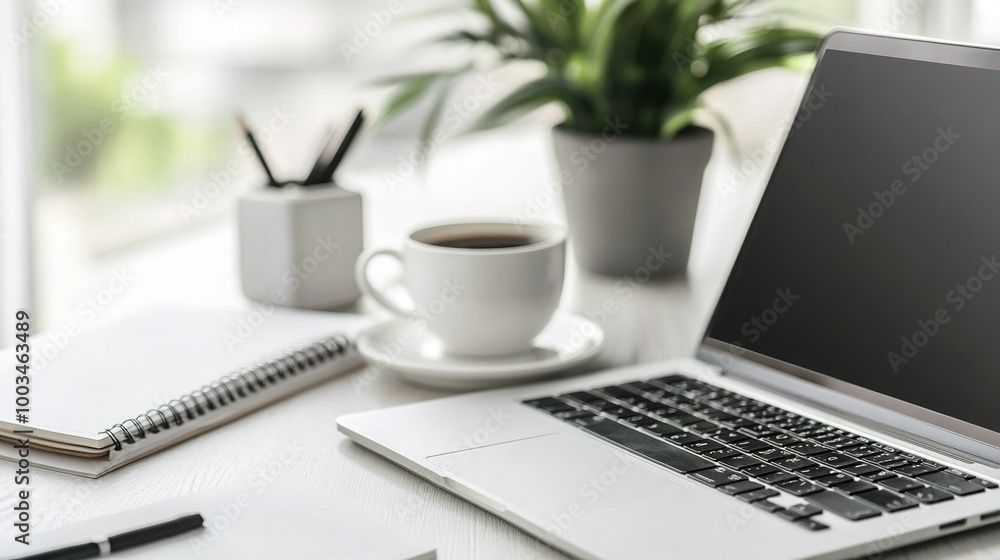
531	96
444	89
755	50
411	90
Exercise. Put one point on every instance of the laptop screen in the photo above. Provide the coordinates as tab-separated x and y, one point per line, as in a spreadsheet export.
874	256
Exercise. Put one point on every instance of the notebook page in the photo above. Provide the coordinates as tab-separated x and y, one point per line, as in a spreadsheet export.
259	520
143	361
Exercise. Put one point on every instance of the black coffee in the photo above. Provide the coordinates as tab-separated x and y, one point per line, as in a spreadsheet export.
499	241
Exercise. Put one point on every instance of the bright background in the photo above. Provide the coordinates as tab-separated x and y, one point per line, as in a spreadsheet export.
164	79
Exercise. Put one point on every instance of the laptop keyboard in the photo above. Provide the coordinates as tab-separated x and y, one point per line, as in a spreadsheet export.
754	451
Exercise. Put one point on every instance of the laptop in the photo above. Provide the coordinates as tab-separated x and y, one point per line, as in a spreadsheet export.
845	399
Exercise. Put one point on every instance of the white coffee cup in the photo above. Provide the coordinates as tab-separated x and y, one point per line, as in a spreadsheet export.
483	289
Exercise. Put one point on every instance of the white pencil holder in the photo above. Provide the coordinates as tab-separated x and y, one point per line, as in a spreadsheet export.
298	245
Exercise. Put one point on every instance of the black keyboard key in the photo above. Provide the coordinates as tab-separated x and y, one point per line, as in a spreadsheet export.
859	469
985	483
550	404
582	396
861	451
915	470
639	420
803	428
794	463
815	472
799	511
951	483
798	487
883	458
783	440
956	472
663	429
889	501
740	461
806	448
619	393
877	475
929	494
750	445
585	421
729	436
811	524
843	506
739	487
901	484
683	438
704	446
835	459
683	419
840	443
768	506
721	453
717	476
617	411
656	450
703	427
835	479
758	495
805	510
572	414
855	487
645	388
736	423
772	454
758	471
778	477
756	430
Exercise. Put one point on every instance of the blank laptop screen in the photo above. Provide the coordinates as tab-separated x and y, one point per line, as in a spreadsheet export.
874	257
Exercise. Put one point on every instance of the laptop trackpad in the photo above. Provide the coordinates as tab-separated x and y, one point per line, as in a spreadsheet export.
557	481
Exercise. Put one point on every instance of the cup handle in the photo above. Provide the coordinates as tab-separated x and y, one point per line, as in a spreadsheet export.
361	275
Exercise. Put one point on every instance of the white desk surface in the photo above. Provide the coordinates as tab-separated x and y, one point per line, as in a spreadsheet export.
297	439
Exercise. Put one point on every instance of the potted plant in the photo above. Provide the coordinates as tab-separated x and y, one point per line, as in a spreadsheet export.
630	76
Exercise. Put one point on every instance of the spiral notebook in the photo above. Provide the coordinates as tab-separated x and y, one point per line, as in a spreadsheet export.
102	399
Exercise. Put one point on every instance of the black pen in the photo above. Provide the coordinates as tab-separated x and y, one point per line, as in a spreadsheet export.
325	155
352	133
260	155
104	546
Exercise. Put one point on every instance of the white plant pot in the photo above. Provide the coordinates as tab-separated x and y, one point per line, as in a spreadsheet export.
631	202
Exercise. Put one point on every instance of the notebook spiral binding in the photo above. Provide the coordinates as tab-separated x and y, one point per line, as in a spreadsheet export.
228	389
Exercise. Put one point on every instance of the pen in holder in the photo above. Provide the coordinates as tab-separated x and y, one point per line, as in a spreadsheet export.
298	245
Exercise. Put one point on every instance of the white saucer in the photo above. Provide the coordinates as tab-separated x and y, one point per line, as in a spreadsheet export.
412	352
